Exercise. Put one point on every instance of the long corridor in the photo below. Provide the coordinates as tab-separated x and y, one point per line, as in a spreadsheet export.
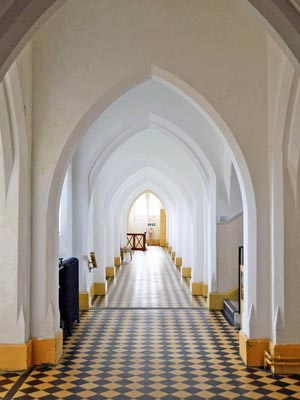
150	281
149	339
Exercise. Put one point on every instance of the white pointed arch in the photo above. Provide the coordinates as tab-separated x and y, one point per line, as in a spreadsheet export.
164	126
146	168
216	121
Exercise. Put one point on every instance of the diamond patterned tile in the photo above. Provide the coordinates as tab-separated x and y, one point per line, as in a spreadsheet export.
173	348
7	381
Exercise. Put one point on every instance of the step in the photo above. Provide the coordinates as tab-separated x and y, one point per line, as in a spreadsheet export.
231	312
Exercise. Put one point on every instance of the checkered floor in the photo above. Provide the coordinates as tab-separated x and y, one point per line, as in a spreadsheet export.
152	353
150	280
7	381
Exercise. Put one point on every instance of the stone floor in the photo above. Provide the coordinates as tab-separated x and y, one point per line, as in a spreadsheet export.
150	339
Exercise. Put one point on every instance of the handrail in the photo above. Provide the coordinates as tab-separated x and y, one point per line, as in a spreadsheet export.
137	241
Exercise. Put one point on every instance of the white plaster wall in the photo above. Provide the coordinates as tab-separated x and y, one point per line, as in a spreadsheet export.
24	114
66	216
279	81
14	210
10	331
222	55
287	324
229	238
142	226
233	205
284	122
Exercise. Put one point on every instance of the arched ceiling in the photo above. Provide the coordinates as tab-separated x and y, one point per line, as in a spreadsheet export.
153	121
150	169
151	147
143	180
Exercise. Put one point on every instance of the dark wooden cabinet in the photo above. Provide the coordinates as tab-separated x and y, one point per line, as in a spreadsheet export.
69	293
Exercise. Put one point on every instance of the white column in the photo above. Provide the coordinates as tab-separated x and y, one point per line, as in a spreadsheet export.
109	237
211	229
99	236
206	242
173	228
80	224
14	213
117	236
186	237
123	229
178	232
198	241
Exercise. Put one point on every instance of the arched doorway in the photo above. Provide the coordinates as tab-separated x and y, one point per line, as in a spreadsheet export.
242	171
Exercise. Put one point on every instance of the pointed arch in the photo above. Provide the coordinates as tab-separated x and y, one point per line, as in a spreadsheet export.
216	121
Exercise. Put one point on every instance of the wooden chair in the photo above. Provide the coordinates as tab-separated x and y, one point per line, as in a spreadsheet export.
126	250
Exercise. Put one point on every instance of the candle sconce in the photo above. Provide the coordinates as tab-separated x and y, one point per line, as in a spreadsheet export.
92	263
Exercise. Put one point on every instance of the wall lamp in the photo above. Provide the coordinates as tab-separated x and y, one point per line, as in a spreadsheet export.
93	263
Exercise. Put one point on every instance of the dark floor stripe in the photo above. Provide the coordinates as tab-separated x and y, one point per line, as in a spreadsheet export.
13	390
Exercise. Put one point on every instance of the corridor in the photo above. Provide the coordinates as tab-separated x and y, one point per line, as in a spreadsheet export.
149	282
149	339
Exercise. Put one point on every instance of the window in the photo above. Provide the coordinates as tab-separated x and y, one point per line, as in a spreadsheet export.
140	206
147	205
154	205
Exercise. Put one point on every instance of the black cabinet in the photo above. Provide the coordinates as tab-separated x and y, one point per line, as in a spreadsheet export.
69	293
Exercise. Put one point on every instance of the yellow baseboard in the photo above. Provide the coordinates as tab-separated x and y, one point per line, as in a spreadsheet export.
21	356
84	301
178	261
110	272
215	299
47	351
92	291
196	288
170	249
173	255
252	350
117	261
205	290
99	288
15	357
186	272
285	357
